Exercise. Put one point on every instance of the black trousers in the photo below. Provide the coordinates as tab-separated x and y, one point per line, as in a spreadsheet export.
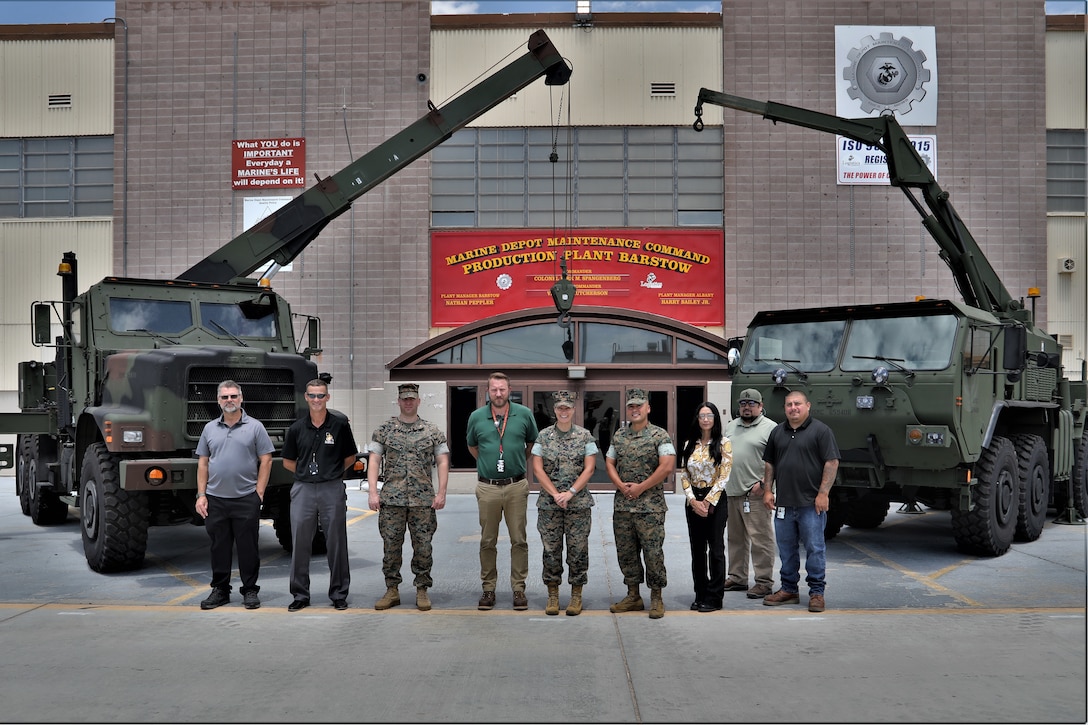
234	522
708	565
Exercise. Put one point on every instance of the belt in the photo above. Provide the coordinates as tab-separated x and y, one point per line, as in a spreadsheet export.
501	481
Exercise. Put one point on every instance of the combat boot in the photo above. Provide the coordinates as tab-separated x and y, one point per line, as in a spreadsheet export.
423	602
575	606
553	600
631	603
657	606
391	598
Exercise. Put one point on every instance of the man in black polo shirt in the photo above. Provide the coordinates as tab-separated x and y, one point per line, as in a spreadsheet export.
318	448
800	460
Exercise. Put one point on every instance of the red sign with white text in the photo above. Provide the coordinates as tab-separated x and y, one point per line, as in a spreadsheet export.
673	272
268	163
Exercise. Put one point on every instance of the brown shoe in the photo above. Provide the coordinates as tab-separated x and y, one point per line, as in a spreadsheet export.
520	602
815	602
732	586
781	597
487	601
759	591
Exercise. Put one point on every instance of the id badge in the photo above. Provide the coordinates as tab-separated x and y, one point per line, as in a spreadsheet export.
500	466
747	507
781	513
312	470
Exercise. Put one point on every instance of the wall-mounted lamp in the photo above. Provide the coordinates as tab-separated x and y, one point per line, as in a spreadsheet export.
576	372
583	15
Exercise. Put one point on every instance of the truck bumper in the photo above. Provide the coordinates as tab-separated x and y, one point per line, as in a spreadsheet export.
179	474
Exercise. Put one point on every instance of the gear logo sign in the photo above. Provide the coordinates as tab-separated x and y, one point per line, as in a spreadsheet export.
886	74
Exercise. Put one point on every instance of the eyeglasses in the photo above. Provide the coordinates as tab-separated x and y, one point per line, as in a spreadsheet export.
706	416
316	396
229	397
747	402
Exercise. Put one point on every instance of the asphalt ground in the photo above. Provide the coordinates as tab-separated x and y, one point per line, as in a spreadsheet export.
914	632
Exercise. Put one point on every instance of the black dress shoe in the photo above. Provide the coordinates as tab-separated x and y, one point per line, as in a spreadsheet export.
709	607
695	605
340	603
298	604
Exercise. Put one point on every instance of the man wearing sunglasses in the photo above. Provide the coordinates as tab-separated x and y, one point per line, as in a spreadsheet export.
234	462
318	448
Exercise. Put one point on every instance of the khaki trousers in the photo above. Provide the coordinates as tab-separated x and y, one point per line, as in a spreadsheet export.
752	531
511	501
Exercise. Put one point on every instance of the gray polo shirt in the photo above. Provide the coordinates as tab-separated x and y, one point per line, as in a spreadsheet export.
233	455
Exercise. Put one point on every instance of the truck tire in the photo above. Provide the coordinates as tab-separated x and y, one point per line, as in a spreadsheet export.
21	473
866	513
282	524
46	508
114	521
835	520
987	530
1034	474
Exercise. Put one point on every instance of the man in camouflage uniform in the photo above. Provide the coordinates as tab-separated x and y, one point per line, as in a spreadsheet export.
410	447
563	459
639	460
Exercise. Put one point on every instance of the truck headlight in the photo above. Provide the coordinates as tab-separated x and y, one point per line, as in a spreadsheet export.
132	436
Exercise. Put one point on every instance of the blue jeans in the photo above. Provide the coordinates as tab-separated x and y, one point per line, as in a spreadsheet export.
802	526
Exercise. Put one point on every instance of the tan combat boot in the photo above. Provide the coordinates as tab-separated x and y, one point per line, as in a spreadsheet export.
575	606
552	607
391	598
631	603
657	606
423	602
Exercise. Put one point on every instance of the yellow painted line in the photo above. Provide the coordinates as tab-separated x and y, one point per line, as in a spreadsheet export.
923	578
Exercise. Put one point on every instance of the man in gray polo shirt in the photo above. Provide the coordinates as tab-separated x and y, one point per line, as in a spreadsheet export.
235	461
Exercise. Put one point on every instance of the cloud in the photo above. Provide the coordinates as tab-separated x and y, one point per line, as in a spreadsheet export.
454	7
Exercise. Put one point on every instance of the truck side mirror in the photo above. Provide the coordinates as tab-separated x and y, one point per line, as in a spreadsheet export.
1014	351
313	340
43	319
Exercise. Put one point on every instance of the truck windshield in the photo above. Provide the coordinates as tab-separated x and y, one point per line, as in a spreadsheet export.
219	316
806	346
139	315
915	343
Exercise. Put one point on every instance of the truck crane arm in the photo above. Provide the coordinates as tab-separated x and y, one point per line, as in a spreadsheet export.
978	283
285	233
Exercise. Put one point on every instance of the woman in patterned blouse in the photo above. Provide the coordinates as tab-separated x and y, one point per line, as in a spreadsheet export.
706	459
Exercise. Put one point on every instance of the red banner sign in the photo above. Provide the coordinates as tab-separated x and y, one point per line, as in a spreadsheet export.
672	272
268	163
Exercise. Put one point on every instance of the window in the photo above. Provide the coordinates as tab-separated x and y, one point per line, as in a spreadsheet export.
227	319
56	177
913	343
643	177
1065	171
804	346
161	316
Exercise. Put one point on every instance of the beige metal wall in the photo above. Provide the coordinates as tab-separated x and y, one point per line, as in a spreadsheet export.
1067	235
614	68
33	70
32	250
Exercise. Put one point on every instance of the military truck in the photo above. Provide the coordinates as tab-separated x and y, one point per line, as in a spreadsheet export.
957	405
111	423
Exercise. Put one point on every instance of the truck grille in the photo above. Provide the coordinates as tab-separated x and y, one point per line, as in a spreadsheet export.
268	393
1040	383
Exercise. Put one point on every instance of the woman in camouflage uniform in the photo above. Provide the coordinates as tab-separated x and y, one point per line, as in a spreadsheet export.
563	458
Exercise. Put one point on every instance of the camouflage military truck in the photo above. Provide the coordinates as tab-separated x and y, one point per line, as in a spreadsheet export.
110	425
961	406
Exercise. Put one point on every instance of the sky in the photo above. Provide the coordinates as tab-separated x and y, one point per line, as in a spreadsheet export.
17	12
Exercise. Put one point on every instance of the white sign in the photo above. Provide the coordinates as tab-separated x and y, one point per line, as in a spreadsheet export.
256	208
881	70
861	163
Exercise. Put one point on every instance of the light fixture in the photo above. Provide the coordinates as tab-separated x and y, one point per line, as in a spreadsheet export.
583	14
576	372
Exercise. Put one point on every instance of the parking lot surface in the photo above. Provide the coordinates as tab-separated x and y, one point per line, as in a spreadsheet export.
914	632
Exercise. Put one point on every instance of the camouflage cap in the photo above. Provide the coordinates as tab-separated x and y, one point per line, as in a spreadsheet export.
564	397
750	394
637	396
408	390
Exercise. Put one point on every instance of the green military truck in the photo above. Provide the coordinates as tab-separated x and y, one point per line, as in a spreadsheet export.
958	405
110	425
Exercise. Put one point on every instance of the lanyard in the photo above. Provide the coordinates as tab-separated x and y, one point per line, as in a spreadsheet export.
505	420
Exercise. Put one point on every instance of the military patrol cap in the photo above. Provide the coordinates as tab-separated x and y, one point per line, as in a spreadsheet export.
750	394
637	396
564	397
408	390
